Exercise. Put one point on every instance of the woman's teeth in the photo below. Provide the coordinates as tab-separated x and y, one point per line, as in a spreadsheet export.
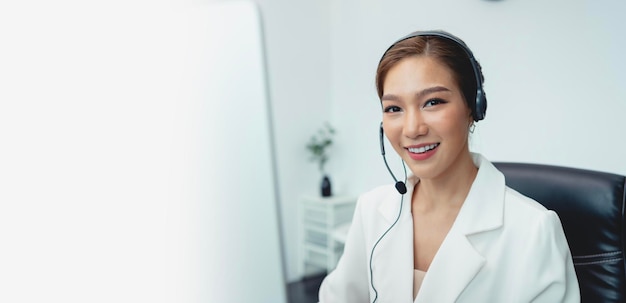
423	149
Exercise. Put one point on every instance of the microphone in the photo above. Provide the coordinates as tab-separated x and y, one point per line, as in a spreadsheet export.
400	186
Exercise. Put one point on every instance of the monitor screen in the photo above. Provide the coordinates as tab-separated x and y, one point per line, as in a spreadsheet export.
136	160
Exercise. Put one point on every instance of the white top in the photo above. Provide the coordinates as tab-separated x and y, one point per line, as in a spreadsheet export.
418	277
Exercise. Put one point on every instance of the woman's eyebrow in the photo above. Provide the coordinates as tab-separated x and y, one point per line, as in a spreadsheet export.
390	97
420	94
430	90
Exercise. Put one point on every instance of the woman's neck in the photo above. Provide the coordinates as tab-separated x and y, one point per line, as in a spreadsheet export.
449	189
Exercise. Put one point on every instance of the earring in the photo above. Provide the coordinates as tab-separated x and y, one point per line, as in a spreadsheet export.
472	127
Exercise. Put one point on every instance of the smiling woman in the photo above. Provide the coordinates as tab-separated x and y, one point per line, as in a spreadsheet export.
457	232
423	108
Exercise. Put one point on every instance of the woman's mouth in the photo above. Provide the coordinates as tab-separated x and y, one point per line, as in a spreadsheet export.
423	149
422	152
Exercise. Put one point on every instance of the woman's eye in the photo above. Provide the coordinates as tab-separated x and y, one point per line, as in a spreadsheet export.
433	102
391	109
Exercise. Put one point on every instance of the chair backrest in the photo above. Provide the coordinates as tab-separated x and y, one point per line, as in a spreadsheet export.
590	205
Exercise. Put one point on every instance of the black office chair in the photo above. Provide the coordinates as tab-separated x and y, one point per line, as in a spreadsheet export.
590	205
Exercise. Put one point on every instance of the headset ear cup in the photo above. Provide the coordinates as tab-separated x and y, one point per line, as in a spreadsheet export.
480	109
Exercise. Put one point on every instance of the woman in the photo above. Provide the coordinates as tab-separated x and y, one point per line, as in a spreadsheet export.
457	234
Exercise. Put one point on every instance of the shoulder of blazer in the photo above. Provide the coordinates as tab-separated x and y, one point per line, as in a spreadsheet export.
378	194
517	198
383	200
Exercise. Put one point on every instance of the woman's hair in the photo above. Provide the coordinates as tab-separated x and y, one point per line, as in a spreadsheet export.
443	50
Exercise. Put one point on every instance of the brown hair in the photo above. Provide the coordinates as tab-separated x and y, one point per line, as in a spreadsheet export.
446	51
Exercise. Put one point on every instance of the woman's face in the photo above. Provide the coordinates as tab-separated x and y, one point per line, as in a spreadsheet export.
425	116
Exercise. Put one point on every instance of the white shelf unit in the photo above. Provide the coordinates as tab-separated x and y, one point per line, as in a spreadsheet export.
319	217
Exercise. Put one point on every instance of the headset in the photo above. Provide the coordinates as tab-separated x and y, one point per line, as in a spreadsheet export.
479	111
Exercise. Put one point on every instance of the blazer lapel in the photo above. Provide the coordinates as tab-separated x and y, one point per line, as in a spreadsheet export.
453	268
457	261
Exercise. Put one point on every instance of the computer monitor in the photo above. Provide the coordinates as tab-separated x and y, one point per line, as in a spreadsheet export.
137	159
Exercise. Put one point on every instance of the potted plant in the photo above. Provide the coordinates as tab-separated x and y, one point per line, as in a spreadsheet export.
318	146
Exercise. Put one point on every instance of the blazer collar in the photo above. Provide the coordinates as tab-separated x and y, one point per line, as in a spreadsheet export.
483	208
456	262
391	206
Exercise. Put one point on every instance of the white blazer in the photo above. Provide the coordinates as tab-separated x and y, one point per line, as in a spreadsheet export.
502	247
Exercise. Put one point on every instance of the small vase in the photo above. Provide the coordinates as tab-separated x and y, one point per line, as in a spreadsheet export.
326	189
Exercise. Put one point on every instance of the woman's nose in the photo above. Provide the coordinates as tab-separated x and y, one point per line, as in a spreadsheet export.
414	125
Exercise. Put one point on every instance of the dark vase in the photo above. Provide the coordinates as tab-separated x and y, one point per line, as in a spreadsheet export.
326	190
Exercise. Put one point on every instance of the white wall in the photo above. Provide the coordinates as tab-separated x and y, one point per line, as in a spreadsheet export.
554	74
